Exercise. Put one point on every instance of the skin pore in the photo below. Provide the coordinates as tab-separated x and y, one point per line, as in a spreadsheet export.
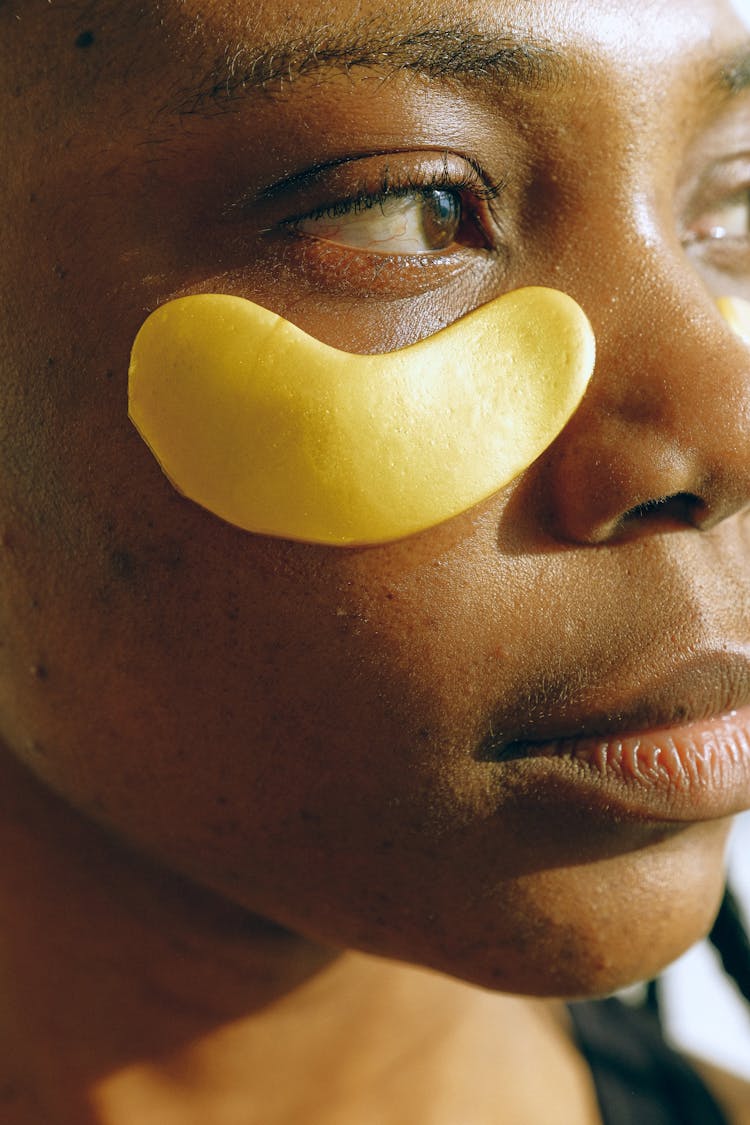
227	758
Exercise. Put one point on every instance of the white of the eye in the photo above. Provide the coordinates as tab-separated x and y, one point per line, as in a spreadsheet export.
394	226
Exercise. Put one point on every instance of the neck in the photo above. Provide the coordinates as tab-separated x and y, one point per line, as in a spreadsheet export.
130	995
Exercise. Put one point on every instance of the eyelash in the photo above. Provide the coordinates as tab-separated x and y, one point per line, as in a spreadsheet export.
472	185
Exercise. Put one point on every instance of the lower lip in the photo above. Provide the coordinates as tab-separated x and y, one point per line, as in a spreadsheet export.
699	771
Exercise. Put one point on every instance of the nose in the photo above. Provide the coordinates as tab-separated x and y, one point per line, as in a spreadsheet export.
662	439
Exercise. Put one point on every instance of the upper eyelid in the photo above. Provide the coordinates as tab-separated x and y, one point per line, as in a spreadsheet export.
355	177
310	176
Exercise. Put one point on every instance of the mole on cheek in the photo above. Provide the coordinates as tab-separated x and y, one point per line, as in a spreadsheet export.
282	435
123	565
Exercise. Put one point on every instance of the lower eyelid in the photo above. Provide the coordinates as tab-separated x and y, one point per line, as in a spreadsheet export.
725	258
339	271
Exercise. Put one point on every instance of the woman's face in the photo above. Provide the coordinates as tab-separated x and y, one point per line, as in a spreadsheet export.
337	739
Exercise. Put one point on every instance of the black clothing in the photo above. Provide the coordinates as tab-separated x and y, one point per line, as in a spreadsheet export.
639	1080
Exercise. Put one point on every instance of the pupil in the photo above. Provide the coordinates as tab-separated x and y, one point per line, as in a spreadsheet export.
441	218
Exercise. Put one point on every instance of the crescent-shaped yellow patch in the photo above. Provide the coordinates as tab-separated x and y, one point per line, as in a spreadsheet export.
280	434
736	312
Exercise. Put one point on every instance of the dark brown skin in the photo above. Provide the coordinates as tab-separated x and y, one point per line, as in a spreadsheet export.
270	751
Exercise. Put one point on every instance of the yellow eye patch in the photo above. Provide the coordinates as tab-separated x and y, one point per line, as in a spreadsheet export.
281	434
736	312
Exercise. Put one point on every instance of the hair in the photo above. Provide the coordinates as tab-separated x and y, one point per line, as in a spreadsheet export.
730	940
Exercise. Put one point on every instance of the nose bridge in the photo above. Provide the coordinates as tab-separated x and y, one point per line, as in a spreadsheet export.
663	347
664	431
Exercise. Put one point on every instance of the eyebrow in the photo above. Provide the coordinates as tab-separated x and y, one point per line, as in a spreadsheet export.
436	53
459	52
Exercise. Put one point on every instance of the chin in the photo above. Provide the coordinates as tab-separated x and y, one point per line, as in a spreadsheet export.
583	930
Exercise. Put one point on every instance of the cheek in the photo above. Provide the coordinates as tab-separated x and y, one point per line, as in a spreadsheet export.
299	737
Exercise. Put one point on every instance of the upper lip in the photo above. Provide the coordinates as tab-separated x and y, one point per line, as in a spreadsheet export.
708	684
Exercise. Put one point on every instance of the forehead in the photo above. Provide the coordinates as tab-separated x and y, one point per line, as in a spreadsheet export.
583	28
599	21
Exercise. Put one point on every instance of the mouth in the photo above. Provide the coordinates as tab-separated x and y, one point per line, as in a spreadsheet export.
676	751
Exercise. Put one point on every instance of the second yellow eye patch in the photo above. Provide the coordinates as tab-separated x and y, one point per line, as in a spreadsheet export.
282	435
736	312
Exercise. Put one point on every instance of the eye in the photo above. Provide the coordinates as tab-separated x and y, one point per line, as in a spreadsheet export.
394	225
717	237
421	221
729	220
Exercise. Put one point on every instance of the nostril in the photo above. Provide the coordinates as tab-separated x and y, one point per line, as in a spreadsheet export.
684	508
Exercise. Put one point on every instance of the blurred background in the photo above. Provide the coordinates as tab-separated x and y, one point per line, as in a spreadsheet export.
703	1012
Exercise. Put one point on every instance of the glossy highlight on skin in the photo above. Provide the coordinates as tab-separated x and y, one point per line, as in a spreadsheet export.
280	434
